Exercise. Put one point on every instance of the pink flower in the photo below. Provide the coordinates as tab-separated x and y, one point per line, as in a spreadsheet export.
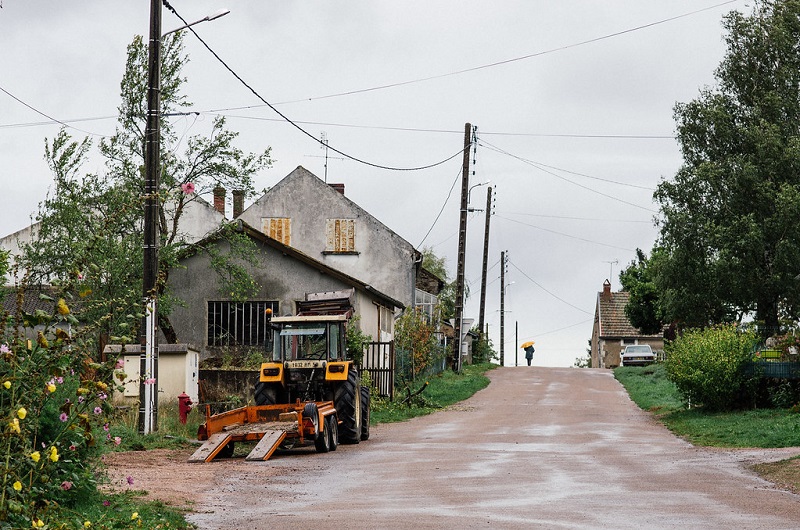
117	440
98	410
150	381
66	485
106	503
63	417
130	480
4	348
106	427
73	448
120	363
102	396
188	188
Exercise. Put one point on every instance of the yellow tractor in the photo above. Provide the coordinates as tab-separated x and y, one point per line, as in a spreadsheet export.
310	363
309	392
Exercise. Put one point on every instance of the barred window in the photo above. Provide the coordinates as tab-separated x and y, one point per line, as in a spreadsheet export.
240	323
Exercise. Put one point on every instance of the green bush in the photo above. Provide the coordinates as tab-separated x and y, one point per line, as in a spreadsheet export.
709	367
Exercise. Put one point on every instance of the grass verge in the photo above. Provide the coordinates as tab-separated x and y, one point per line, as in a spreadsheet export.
650	389
442	390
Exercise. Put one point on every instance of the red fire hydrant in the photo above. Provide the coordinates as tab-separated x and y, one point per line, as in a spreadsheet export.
184	406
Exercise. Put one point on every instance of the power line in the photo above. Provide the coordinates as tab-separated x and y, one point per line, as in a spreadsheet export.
540	168
449	193
566	235
37	111
569	218
547	291
506	61
294	124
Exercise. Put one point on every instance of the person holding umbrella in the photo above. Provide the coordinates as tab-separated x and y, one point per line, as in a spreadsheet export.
529	349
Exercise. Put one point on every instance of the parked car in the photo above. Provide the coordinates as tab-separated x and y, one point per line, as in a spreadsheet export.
637	355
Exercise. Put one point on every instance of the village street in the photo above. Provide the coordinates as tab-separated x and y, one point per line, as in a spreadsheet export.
539	448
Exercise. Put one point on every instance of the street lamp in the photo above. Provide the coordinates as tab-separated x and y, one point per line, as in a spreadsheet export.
148	335
470	191
214	16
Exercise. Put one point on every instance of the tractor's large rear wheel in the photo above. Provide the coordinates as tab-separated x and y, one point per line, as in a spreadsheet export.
265	394
365	399
347	400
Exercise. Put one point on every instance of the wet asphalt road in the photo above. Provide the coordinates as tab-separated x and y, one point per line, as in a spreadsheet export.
539	448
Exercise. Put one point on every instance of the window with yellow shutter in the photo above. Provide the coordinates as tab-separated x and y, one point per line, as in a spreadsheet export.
340	236
278	228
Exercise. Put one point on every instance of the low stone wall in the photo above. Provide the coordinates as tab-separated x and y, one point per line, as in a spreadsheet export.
218	385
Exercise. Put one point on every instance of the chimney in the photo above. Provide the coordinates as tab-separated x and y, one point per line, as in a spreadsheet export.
606	289
219	199
338	187
238	203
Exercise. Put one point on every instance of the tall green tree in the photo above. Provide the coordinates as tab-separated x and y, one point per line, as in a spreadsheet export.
90	226
438	266
643	308
729	217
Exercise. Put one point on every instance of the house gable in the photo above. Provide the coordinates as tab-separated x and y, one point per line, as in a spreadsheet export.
323	223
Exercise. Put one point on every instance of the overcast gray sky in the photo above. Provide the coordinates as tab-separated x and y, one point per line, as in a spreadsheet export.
573	100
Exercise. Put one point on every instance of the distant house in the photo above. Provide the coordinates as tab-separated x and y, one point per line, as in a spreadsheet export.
612	330
305	213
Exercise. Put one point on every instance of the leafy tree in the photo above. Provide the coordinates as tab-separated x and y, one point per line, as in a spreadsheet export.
90	226
415	334
643	309
729	217
447	296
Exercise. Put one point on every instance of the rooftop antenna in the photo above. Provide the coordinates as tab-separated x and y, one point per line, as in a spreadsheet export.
323	143
611	268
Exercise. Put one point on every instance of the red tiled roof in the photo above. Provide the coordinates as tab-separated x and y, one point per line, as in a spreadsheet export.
613	322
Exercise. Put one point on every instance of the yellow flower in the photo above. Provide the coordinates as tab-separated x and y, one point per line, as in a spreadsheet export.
102	386
22	413
62	307
134	516
17	486
14	425
7	384
53	454
37	523
51	387
35	456
87	524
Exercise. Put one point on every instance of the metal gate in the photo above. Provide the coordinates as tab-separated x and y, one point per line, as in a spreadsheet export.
379	362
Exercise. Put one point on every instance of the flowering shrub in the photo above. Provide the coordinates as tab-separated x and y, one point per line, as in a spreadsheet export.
709	367
53	401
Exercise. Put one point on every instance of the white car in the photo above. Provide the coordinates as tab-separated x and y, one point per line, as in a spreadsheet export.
637	355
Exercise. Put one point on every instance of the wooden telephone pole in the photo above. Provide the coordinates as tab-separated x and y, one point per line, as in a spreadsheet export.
455	360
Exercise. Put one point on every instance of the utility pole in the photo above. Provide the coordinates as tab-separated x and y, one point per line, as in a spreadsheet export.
488	213
516	343
462	250
148	334
502	307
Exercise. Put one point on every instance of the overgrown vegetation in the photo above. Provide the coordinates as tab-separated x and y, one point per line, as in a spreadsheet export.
709	367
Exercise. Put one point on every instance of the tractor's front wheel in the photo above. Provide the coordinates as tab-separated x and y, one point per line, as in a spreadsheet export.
347	400
365	399
265	394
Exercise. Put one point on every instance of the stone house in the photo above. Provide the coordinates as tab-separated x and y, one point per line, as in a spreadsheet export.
209	319
612	330
305	213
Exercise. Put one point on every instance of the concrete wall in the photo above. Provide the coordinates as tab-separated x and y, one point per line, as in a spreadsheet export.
383	260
